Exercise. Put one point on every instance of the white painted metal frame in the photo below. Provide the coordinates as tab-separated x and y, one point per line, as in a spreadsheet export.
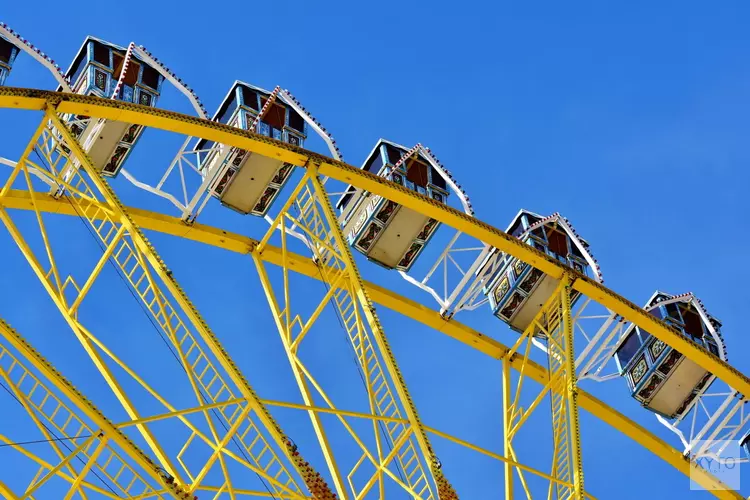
717	416
145	56
188	159
467	294
447	293
450	299
42	58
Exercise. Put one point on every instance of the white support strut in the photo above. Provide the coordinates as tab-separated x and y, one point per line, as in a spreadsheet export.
26	46
292	101
142	53
123	72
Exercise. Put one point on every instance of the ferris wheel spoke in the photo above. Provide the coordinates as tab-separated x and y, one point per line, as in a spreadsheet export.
221	405
553	322
50	277
401	440
212	376
71	425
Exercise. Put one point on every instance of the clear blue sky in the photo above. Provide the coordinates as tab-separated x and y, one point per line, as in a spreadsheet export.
630	119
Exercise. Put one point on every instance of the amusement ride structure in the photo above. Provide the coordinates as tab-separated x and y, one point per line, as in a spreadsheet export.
209	434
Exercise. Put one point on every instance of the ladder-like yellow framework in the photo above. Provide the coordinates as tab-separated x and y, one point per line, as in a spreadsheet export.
229	420
233	412
309	210
58	409
553	323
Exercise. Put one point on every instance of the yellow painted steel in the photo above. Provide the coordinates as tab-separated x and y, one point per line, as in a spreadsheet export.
507	422
562	338
86	468
301	380
45	465
6	492
388	396
20	200
16	373
100	108
55	291
571	387
32	99
553	323
333	234
37	483
140	265
168	318
285	327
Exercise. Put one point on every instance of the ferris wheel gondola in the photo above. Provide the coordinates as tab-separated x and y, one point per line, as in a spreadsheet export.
658	376
388	234
245	182
8	54
131	74
107	70
516	290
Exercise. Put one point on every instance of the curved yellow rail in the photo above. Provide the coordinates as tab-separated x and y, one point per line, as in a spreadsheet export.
30	99
303	265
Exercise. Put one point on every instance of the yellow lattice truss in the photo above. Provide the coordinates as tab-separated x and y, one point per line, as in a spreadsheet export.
554	324
308	209
232	411
151	454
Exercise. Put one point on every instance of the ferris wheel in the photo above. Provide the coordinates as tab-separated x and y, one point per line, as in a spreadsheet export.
192	423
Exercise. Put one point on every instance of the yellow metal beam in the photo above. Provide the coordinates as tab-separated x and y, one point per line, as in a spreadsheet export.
37	100
358	290
554	321
6	492
31	99
85	406
315	218
237	243
63	463
45	465
507	422
299	376
157	267
571	386
86	468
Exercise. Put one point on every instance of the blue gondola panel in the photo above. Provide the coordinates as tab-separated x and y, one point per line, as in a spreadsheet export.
244	181
659	377
95	71
517	291
387	233
8	54
745	443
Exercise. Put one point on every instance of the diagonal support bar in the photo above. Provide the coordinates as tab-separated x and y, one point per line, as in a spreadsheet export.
81	404
553	322
290	349
445	490
183	304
